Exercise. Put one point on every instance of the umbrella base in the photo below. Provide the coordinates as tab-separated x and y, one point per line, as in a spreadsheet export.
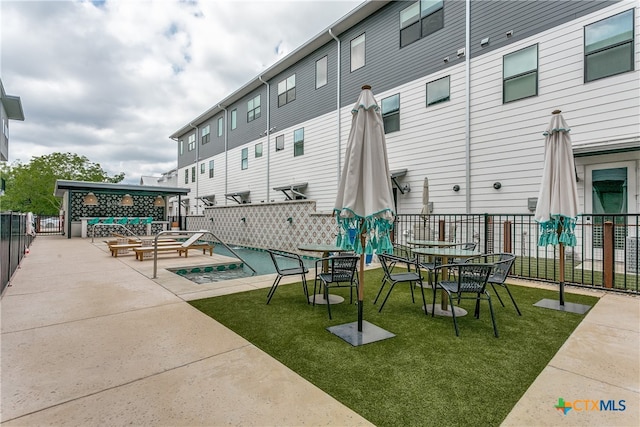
333	299
370	333
447	313
567	306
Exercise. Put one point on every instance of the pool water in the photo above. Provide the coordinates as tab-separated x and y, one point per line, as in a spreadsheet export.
259	259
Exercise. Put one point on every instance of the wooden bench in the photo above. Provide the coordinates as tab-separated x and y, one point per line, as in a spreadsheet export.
118	248
140	251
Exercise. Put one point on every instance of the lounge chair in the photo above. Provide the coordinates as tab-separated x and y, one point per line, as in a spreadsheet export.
192	243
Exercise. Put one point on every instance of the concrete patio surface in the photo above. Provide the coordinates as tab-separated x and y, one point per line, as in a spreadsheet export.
89	339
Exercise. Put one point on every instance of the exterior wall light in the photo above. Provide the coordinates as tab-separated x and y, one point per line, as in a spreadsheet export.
456	188
497	185
90	200
158	201
127	200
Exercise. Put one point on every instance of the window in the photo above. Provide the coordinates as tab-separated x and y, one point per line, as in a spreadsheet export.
210	168
245	159
181	143
279	142
438	91
192	142
258	150
234	118
287	90
520	74
193	174
357	52
220	126
202	166
186	176
321	72
391	113
608	47
421	19
298	142
253	109
206	136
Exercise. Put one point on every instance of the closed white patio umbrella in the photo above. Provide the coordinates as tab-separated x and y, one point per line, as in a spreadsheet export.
365	200
557	206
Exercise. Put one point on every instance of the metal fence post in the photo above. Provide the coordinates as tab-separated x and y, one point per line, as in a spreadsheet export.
608	256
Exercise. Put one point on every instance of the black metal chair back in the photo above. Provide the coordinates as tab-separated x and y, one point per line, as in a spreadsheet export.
412	275
341	272
294	266
469	282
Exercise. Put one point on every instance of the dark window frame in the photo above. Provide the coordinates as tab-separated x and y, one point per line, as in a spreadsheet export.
526	73
254	113
326	71
393	114
421	22
289	94
244	159
630	42
279	140
298	144
440	101
211	169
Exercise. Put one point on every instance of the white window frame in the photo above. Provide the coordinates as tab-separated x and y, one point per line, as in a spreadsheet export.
234	118
257	152
220	126
192	142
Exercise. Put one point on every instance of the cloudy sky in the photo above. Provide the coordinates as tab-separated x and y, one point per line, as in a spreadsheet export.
111	80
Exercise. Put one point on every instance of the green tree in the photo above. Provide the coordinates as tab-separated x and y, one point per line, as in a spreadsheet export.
30	186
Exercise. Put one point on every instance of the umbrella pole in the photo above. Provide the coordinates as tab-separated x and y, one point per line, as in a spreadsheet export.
361	283
561	274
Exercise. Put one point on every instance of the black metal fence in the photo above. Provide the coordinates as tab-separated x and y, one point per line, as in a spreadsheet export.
606	255
13	243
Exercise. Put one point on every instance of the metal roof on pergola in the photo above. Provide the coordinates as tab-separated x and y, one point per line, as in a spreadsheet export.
111	188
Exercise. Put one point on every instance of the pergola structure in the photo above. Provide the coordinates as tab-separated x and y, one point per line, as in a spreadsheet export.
82	200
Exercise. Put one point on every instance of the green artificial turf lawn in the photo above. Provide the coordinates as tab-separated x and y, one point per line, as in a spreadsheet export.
425	375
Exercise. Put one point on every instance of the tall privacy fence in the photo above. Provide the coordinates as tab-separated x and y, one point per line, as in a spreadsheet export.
13	242
606	255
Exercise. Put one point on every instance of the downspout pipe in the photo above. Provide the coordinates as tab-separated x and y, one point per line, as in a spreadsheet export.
338	82
226	154
195	198
467	111
268	135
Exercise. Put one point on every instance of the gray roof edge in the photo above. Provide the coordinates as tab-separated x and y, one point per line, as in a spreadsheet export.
358	14
63	185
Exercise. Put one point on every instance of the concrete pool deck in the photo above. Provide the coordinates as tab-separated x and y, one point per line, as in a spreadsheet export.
89	339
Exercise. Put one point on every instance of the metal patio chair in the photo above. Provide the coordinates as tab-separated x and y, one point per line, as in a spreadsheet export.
287	264
412	275
502	263
341	272
468	281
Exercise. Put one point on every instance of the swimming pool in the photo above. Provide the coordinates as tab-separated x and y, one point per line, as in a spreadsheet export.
259	259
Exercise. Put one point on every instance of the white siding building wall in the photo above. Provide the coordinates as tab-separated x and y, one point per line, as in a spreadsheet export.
506	140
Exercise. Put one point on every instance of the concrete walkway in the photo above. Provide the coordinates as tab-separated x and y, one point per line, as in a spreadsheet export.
88	339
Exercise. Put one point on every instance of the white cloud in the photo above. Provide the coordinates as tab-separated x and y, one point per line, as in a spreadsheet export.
112	80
